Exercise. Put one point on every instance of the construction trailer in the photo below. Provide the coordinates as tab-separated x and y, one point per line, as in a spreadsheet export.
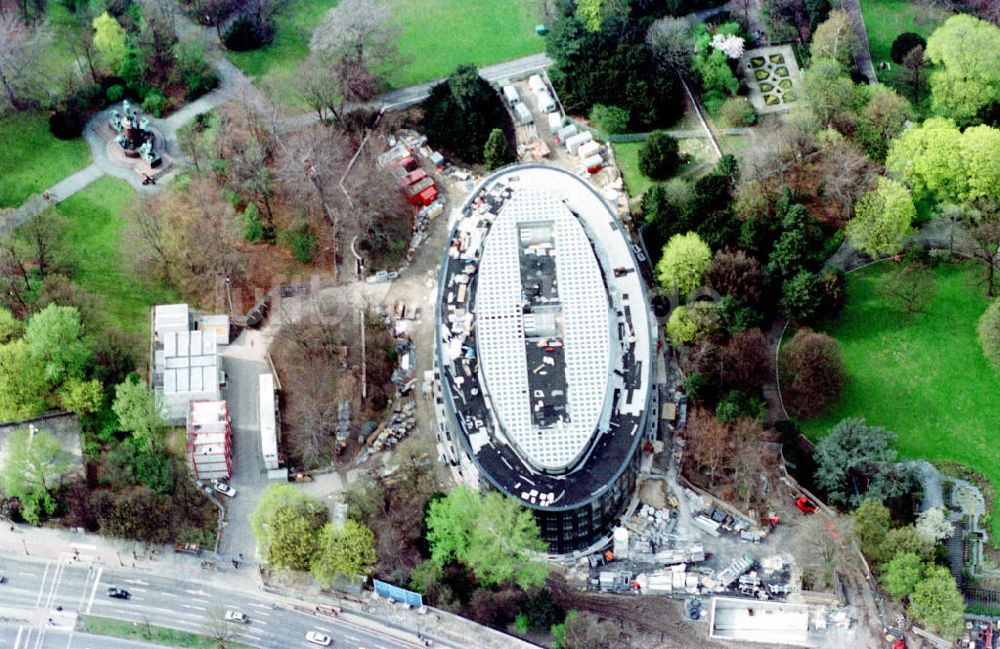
565	133
546	103
268	413
522	114
537	85
209	440
588	149
510	96
421	193
574	143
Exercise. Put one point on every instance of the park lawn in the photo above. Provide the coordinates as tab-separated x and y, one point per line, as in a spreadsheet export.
151	633
94	233
887	19
923	377
437	35
293	30
700	153
32	159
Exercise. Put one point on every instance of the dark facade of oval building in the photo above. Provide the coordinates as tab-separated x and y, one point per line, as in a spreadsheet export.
545	352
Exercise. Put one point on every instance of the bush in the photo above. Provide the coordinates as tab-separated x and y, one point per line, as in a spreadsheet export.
303	242
115	93
154	103
198	77
904	44
461	112
610	119
245	33
812	373
253	228
737	112
67	124
659	156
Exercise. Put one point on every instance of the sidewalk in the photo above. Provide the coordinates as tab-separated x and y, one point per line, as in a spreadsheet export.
51	544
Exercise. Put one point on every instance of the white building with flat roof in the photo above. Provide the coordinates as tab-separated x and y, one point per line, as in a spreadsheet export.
186	365
209	440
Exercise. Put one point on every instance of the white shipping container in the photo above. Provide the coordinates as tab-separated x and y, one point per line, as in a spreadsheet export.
589	149
574	143
546	103
593	163
566	132
536	84
555	121
523	114
510	94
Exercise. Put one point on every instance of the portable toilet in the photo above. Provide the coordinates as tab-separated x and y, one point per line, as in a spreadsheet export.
593	164
555	121
574	143
588	149
536	84
565	133
546	103
510	96
523	114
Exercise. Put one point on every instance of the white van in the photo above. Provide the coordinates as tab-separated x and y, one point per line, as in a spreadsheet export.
511	96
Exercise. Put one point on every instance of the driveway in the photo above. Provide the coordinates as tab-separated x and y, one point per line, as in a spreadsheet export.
249	477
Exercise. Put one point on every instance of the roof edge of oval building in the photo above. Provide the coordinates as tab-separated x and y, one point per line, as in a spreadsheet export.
545	351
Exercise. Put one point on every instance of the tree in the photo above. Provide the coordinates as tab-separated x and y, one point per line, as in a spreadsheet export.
219	628
683	263
830	91
497	152
746	361
610	119
937	603
140	514
56	339
708	443
871	523
901	575
659	156
593	12
287	525
736	274
493	535
914	65
850	453
587	631
981	241
801	296
967	74
904	44
33	470
881	120
670	40
933	525
346	551
139	412
989	333
835	39
910	288
812	373
461	112
24	390
10	327
109	39
22	47
901	540
846	174
81	397
883	218
930	159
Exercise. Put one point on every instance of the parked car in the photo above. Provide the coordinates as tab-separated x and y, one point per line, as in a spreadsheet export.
225	489
236	616
315	637
118	593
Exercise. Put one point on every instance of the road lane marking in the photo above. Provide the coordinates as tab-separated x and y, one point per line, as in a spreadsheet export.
136	581
200	608
93	593
170	594
41	585
196	592
17	640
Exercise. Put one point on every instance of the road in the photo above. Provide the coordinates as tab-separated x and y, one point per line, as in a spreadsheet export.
34	590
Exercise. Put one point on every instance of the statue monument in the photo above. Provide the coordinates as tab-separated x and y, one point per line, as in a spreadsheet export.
134	136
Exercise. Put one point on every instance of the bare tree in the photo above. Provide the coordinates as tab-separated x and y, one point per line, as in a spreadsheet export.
670	40
218	628
42	236
361	31
981	227
328	85
707	443
914	65
847	174
910	288
15	282
22	48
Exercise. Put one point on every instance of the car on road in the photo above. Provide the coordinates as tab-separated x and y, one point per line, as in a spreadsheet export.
236	616
118	593
225	489
315	637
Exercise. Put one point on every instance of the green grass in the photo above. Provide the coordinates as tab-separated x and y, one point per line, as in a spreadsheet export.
923	377
149	633
293	30
437	35
94	233
32	159
698	149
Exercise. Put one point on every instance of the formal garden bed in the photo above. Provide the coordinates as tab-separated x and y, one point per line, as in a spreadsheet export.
773	78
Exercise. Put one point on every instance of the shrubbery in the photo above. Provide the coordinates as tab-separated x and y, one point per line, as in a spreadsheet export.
246	33
659	156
